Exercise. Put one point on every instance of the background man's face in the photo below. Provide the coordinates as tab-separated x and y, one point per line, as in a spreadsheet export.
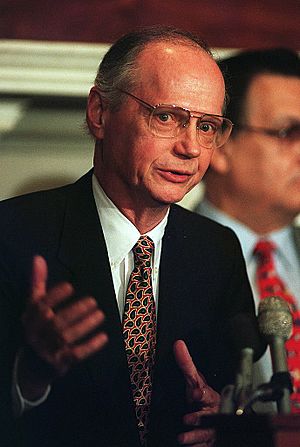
264	170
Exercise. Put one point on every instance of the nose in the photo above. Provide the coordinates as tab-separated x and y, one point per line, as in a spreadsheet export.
187	144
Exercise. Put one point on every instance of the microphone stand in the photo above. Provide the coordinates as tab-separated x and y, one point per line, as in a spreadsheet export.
234	397
276	390
278	354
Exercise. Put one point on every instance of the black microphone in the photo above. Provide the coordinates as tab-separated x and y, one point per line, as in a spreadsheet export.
271	391
243	332
276	323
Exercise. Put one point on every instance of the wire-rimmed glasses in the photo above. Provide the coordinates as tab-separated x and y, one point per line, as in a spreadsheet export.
169	121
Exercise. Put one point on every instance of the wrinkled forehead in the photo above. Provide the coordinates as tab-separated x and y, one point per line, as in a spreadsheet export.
166	59
181	72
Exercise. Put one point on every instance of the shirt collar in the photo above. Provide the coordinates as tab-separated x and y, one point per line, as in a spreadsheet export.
285	244
283	238
246	236
119	233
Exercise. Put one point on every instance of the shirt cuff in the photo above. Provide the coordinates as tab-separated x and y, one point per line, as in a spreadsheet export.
19	403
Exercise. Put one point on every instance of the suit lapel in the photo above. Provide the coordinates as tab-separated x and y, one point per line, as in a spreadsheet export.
83	252
168	385
82	248
174	273
168	284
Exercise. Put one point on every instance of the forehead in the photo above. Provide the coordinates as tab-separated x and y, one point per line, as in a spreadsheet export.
180	73
274	96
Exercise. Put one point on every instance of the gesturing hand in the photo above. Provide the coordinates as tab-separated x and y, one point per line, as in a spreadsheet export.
55	336
199	395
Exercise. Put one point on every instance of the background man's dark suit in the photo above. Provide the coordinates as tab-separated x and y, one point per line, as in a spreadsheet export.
201	271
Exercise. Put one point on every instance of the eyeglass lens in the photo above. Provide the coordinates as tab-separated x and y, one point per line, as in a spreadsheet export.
167	121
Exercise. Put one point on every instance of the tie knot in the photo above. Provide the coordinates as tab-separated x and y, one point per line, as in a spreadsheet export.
143	251
264	248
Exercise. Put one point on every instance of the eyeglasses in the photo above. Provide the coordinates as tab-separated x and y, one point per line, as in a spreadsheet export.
169	121
290	134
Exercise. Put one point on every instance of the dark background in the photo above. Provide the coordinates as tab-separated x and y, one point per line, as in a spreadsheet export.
223	23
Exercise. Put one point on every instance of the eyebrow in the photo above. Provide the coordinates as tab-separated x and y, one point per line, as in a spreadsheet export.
288	121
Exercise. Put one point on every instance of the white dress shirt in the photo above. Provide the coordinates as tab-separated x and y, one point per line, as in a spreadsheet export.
120	237
287	265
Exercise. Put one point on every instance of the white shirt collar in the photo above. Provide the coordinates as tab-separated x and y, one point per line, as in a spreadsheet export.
119	233
283	238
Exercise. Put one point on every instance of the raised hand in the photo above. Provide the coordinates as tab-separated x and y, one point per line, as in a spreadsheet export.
200	397
55	335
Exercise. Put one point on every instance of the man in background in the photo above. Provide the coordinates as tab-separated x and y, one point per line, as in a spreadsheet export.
253	183
105	332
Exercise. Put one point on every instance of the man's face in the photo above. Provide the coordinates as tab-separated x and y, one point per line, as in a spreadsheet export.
264	171
138	169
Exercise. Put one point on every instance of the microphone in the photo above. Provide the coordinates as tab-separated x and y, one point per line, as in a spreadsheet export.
272	391
276	323
244	379
245	339
243	332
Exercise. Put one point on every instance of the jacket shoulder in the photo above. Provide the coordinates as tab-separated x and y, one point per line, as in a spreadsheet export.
194	224
40	206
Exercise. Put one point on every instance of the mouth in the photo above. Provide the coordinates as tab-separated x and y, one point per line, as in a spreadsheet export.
175	176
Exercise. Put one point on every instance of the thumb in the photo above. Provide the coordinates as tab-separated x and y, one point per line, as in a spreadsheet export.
186	364
38	278
197	388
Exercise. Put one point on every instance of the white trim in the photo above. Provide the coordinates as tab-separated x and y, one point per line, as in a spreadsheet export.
52	68
48	68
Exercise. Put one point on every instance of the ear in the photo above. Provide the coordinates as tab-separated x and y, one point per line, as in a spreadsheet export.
94	114
221	158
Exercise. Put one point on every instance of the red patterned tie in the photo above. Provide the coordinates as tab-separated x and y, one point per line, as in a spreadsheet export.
269	283
139	329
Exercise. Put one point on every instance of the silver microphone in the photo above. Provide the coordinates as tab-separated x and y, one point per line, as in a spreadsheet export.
276	323
244	378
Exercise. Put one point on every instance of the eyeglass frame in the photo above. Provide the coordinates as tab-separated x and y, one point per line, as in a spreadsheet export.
282	134
191	115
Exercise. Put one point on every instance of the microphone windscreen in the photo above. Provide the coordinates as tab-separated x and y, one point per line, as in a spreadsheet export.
243	333
275	318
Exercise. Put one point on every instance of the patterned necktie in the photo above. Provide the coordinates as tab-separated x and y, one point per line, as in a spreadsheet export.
139	330
269	283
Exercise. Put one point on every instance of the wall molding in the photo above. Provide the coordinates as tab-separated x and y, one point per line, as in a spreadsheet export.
52	68
48	68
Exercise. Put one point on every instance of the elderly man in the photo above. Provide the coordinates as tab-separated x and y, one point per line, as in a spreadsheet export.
253	183
128	296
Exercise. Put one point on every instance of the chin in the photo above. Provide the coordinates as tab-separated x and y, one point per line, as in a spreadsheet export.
168	199
166	195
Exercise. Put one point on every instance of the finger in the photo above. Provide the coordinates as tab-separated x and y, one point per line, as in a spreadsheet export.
57	294
195	419
186	364
84	350
79	330
38	278
205	395
76	312
197	437
198	390
66	357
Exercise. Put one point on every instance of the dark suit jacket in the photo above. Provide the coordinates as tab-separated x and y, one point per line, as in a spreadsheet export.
203	284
